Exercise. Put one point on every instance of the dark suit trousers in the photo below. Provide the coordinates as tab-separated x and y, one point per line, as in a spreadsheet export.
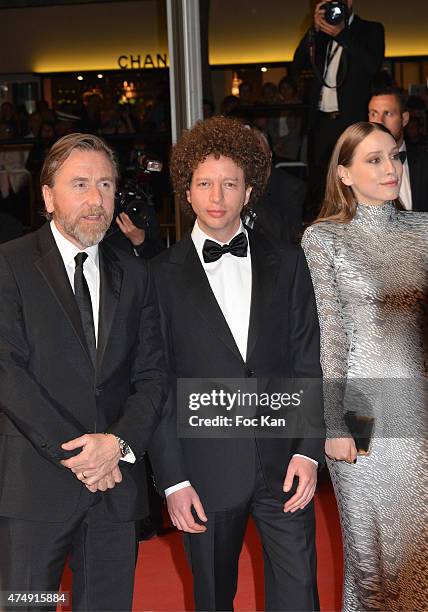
288	548
101	555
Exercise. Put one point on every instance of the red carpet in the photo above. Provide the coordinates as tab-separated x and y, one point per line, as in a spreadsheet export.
163	579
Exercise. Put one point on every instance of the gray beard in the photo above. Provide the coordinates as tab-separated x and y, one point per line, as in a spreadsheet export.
86	236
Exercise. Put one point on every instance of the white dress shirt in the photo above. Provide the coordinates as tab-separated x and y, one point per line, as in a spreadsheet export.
405	189
91	271
328	96
230	279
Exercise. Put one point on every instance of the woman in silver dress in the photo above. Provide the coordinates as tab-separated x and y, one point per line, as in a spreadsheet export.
369	266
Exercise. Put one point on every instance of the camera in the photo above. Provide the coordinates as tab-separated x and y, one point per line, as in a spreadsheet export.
135	197
335	12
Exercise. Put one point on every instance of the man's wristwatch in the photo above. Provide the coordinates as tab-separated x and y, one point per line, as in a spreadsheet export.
123	446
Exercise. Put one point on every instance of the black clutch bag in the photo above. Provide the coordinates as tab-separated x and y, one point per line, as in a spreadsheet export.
361	428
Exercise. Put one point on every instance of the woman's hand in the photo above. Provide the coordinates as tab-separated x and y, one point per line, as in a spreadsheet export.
341	449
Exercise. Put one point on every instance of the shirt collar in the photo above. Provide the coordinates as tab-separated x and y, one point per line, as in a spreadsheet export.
199	237
68	250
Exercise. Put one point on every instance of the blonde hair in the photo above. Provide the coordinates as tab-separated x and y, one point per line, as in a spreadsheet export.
339	202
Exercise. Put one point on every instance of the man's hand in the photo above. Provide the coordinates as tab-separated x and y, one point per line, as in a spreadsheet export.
306	472
131	231
180	510
321	24
108	482
99	456
341	449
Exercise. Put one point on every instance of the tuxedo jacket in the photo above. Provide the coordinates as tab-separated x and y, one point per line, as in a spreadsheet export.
418	173
51	392
283	340
280	209
363	50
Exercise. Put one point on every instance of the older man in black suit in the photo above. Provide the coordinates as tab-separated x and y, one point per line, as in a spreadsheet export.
82	384
233	305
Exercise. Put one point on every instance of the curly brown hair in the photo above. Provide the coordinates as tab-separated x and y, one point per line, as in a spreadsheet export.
218	136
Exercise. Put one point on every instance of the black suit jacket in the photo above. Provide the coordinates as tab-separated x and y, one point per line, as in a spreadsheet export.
283	340
363	50
50	391
280	208
418	172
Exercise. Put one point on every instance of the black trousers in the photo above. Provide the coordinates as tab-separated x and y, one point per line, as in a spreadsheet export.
101	555
288	549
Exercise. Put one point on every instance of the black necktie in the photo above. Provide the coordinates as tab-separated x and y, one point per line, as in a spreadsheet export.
212	251
83	299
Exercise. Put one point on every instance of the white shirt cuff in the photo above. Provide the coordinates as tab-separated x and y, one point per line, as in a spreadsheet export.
177	487
305	457
129	457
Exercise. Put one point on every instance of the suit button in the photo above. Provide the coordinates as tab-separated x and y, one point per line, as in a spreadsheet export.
99	390
249	373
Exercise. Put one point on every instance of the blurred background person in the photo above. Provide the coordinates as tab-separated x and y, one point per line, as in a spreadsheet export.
246	95
414	134
278	213
8	118
289	143
34	122
229	105
13	176
388	106
369	266
45	139
344	54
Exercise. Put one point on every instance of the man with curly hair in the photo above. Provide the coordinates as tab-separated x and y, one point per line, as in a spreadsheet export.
235	306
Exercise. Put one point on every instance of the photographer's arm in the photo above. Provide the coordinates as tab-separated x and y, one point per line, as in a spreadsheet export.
134	234
318	32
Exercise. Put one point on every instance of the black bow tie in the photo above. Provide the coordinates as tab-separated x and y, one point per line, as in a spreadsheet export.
212	251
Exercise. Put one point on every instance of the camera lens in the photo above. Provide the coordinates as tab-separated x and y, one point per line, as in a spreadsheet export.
335	12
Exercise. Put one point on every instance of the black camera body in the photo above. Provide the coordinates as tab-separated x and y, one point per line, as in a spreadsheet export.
335	12
135	197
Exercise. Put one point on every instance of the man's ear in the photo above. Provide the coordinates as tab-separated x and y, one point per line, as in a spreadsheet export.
405	118
48	198
247	195
188	196
344	175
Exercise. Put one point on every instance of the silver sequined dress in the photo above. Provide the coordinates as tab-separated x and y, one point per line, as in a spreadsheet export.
371	284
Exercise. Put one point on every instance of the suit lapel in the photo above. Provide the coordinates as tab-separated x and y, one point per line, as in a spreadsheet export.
51	266
111	275
265	266
200	295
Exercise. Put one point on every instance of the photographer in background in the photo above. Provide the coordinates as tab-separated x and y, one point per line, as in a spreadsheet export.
344	52
135	228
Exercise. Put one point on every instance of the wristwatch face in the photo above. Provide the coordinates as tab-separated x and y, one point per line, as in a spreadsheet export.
124	448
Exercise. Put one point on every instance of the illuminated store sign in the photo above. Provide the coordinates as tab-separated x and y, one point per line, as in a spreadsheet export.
138	62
